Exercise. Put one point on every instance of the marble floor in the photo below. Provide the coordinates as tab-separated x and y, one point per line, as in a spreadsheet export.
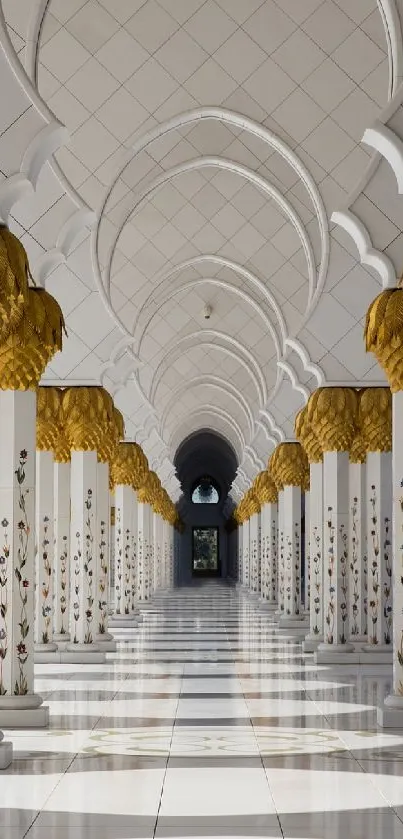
208	721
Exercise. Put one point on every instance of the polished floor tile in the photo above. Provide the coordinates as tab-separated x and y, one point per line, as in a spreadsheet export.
206	722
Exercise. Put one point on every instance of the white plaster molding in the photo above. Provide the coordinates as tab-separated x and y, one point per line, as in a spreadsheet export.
272	425
255	460
308	365
240	270
274	142
389	145
393	35
221	385
288	369
193	422
234	168
369	255
69	234
269	437
212	339
12	190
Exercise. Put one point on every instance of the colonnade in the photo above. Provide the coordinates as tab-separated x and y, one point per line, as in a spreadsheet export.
341	587
65	475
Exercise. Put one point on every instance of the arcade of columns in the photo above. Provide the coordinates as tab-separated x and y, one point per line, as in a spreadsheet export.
78	505
62	456
339	582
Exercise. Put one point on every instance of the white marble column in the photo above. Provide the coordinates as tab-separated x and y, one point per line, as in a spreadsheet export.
254	553
240	554
245	554
144	550
134	560
391	714
62	551
357	552
102	546
269	558
44	556
292	555
280	554
315	527
124	530
19	705
336	559
83	579
307	553
379	529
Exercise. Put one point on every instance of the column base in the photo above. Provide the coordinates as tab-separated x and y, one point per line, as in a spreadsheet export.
121	621
266	606
45	648
336	654
106	643
6	753
59	637
23	712
390	714
46	656
82	654
294	622
376	654
311	643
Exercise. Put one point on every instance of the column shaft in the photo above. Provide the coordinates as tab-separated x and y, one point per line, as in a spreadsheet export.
357	549
281	559
292	551
124	498
83	548
335	548
254	552
379	524
44	552
315	526
245	553
62	550
269	559
307	554
18	703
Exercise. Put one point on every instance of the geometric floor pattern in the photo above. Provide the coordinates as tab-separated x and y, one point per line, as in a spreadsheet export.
207	722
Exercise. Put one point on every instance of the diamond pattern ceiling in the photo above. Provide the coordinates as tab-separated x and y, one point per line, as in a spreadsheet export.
213	139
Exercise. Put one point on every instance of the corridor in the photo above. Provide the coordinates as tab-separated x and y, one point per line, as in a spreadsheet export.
208	721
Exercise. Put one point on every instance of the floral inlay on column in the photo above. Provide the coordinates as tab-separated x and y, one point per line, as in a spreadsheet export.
330	613
354	572
21	685
76	572
317	578
127	570
88	569
4	571
118	563
103	581
47	571
63	560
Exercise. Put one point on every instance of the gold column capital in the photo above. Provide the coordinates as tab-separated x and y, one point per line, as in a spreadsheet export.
264	488
332	413
149	489
384	334
375	418
306	436
289	465
88	413
48	417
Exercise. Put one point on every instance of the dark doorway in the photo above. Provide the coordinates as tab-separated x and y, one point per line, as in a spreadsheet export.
205	552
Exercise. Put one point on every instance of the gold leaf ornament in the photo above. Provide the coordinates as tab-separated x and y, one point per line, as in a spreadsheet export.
289	465
307	437
14	285
375	418
264	488
333	415
149	489
125	464
384	334
89	420
48	417
26	351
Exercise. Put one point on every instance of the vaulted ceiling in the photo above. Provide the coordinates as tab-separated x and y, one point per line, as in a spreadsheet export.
213	155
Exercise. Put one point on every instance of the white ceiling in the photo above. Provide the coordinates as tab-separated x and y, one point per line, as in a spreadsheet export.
209	144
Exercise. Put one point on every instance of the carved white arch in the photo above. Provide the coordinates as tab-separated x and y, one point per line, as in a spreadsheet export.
197	415
289	370
381	138
211	381
196	261
369	255
236	169
232	290
229	345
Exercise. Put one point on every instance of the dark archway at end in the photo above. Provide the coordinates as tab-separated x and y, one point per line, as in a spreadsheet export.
203	453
